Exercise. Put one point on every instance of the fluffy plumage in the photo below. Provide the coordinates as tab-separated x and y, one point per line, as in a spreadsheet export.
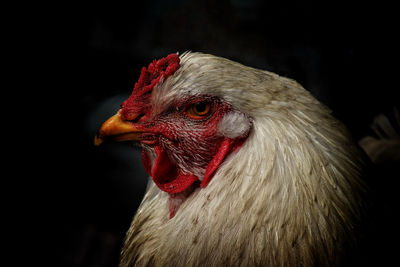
290	195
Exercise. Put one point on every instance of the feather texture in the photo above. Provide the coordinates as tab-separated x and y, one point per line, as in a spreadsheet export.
290	196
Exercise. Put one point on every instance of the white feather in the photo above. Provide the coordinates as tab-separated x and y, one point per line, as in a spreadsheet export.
290	196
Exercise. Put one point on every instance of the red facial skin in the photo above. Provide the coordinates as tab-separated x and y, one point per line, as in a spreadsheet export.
192	142
185	148
188	143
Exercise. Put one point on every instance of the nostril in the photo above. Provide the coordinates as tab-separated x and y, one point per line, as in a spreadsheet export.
137	118
133	117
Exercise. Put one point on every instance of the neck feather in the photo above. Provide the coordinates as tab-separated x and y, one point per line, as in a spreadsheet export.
289	196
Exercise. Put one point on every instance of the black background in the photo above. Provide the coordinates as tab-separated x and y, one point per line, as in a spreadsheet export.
81	61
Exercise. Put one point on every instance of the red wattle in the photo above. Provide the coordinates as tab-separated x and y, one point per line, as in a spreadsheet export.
224	149
146	162
170	179
165	173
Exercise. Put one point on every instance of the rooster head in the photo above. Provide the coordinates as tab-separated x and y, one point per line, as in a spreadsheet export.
186	133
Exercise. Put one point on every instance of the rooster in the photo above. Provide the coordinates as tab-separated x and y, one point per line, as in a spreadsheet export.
247	168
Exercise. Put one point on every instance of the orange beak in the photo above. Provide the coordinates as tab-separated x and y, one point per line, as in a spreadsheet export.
117	129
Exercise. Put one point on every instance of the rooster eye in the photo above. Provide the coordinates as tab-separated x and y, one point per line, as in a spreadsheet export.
198	110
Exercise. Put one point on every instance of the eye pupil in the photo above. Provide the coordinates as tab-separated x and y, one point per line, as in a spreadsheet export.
198	110
200	107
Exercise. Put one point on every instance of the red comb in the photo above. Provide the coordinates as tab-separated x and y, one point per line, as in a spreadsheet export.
139	100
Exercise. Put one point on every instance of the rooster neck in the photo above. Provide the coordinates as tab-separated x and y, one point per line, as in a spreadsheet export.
176	200
273	203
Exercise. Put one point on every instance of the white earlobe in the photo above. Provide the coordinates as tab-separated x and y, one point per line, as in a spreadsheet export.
234	124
